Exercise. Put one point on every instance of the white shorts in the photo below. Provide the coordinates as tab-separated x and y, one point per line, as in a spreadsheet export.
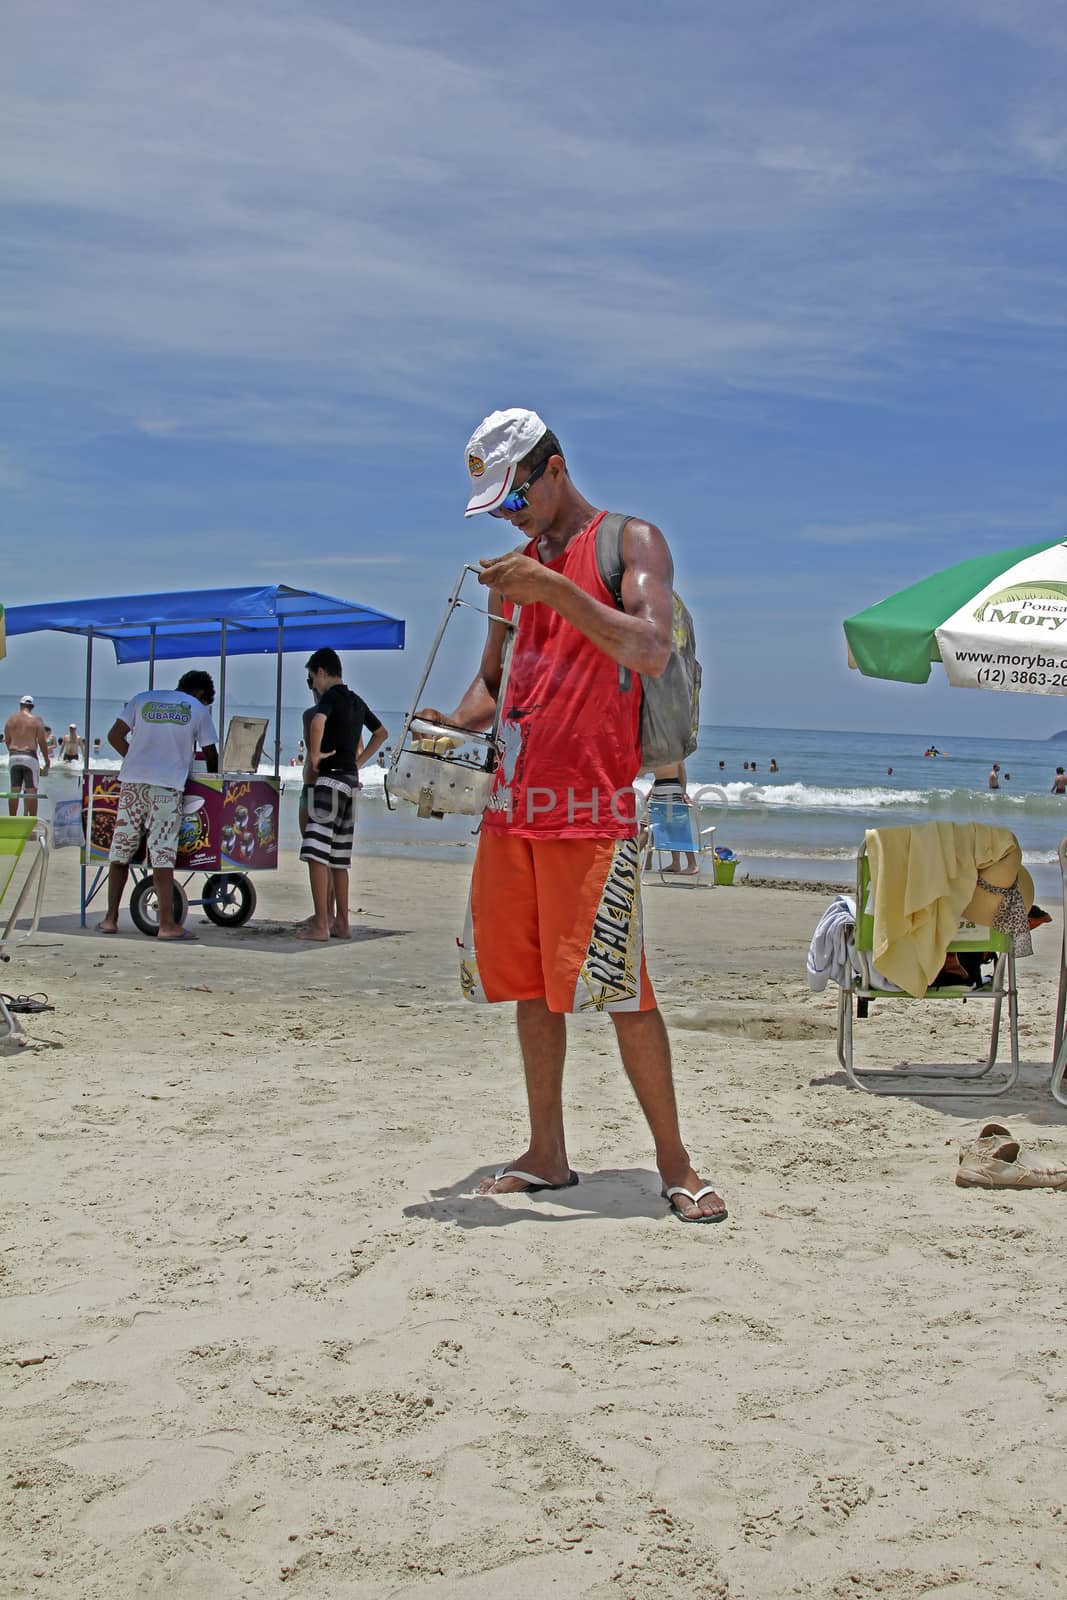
24	769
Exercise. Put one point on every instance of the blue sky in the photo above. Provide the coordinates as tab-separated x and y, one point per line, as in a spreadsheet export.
789	281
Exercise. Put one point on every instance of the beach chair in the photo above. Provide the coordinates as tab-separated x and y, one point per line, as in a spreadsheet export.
1059	1042
15	834
19	835
861	988
674	827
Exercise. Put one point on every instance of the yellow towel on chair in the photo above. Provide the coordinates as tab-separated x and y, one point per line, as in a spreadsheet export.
923	881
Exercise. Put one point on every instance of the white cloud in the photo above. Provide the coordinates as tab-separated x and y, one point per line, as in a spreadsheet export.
969	526
340	561
13	478
343	220
1046	144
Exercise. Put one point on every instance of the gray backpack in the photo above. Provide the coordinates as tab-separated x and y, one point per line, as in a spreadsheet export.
670	705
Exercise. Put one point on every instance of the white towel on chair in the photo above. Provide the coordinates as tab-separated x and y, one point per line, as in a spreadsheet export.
831	943
832	951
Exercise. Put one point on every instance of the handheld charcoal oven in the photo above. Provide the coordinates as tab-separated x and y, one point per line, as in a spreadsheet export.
444	770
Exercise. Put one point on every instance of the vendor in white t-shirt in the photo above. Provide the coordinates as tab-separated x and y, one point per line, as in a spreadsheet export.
156	736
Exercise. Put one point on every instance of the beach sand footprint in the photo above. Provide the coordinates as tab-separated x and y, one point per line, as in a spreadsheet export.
753	1021
159	1479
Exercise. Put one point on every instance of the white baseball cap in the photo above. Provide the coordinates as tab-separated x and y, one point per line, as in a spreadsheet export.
494	450
27	700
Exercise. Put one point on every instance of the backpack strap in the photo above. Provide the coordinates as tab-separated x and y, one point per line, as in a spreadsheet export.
609	552
609	561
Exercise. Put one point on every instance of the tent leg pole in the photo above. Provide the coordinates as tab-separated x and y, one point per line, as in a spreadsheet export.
87	747
222	693
152	659
278	708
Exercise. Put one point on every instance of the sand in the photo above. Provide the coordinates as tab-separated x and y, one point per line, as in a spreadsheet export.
259	1338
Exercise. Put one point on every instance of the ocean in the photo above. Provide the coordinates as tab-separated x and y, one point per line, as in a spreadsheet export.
804	821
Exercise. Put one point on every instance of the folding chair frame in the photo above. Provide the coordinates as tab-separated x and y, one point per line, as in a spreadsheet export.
942	1078
1059	1042
10	1032
39	842
699	845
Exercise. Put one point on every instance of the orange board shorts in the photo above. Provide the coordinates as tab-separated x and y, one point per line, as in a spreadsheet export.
556	919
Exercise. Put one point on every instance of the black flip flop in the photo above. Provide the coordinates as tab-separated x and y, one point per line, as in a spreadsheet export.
26	1002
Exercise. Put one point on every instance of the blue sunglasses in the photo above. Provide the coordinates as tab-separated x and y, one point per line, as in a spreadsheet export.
518	499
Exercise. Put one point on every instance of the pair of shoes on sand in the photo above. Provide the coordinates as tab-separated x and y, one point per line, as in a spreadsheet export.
996	1160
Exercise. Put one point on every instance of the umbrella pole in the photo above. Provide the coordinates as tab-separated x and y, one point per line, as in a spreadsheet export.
152	658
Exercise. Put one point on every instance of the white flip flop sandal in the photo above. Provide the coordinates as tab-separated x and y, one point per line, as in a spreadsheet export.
678	1188
532	1181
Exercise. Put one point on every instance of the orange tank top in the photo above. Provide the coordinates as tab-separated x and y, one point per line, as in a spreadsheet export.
571	736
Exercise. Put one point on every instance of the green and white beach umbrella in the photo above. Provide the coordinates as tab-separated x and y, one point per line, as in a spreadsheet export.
996	622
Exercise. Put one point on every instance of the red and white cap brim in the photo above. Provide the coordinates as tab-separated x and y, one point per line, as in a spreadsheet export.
495	485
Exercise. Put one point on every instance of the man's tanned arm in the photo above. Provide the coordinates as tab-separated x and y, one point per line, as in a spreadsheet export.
639	636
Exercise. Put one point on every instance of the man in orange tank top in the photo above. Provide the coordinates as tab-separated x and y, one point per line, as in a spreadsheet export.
554	920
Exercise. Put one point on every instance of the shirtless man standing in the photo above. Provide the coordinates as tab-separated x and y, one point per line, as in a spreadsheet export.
27	748
72	745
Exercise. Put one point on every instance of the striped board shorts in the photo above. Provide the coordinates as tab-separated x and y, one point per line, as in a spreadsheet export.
670	792
331	824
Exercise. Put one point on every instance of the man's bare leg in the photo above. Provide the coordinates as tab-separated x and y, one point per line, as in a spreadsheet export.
309	922
318	929
29	797
543	1042
302	822
337	907
116	883
331	915
646	1055
163	881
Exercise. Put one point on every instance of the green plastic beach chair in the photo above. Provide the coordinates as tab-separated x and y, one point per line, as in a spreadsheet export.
861	989
17	835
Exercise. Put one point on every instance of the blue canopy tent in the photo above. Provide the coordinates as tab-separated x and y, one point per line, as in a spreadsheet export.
271	620
208	622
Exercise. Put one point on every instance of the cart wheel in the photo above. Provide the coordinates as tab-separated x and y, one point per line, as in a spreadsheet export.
144	908
229	899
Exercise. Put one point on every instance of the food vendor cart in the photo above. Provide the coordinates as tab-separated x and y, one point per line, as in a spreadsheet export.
229	820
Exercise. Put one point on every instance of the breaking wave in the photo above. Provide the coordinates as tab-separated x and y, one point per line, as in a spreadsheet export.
997	806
